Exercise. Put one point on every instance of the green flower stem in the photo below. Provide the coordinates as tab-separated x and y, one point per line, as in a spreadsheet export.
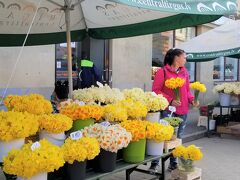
177	94
196	94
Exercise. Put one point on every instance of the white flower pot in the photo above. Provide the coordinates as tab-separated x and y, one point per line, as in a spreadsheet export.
5	146
234	100
224	99
40	176
153	117
154	148
57	139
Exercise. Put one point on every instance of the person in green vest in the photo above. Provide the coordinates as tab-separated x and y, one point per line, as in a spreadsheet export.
88	74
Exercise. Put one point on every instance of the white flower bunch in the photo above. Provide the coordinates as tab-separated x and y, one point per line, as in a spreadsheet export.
228	88
103	94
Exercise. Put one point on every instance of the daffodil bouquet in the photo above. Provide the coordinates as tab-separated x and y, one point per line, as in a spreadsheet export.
135	109
115	112
197	87
111	138
175	84
77	112
33	103
82	149
155	102
188	153
16	125
28	162
158	132
55	123
135	94
136	127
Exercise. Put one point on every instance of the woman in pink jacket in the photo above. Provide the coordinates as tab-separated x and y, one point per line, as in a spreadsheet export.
174	62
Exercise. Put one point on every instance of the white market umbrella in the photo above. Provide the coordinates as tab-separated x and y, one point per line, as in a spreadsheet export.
56	21
221	41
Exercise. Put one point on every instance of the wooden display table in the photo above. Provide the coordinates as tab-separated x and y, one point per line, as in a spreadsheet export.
181	175
168	145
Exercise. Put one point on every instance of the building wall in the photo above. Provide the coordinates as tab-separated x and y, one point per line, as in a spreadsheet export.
35	71
131	62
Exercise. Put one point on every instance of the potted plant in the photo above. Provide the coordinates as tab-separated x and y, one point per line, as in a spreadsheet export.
111	138
15	127
82	115
174	122
53	127
135	151
34	160
77	150
187	156
155	103
156	134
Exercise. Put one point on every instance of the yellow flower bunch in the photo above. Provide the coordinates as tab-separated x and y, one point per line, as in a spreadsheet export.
174	83
135	109
137	129
155	102
115	112
80	150
198	86
76	112
55	123
27	162
33	103
188	153
158	132
16	125
111	138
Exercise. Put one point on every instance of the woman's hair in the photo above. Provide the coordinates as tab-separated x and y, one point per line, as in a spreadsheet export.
170	55
61	89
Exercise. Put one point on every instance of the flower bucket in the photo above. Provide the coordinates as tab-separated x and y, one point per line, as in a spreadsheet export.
77	170
154	148
174	137
234	100
106	161
57	139
5	146
186	165
153	116
135	152
224	99
40	176
81	124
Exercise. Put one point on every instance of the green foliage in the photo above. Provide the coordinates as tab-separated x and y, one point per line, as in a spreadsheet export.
173	121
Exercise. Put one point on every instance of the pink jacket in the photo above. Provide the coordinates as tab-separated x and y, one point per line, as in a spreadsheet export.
185	93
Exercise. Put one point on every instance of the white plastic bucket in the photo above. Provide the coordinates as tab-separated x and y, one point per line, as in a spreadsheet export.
154	148
153	117
40	176
6	146
57	139
224	99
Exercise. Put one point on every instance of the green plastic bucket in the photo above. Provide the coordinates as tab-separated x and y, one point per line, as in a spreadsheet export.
81	124
135	152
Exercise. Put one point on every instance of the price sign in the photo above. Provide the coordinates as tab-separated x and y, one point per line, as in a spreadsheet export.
76	135
154	94
105	123
99	84
81	103
35	146
172	109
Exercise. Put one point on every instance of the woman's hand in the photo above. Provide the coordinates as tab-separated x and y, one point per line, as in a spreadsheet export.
195	104
176	103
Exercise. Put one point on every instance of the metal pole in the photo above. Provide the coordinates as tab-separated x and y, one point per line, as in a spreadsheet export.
69	48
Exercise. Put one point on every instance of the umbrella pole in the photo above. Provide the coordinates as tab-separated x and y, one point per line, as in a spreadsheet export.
69	49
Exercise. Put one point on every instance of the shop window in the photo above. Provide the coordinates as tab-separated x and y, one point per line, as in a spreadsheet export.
225	69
